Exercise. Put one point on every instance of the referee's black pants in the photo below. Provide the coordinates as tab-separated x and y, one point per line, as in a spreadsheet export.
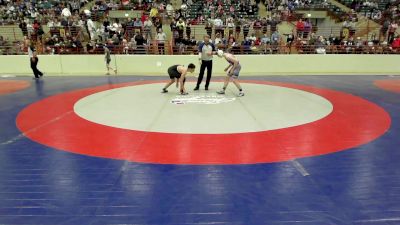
34	68
205	64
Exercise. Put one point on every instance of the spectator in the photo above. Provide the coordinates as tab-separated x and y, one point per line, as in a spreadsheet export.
144	16
78	23
181	25
208	28
352	27
170	10
346	26
153	13
218	39
66	12
188	28
139	39
29	27
75	6
91	28
384	29
273	24
257	25
349	44
392	30
158	23
173	25
265	39
137	24
231	41
275	38
396	43
76	43
90	47
320	45
231	26
219	26
49	45
161	37
237	28
125	46
246	29
106	26
300	28
264	24
147	28
87	13
307	28
253	48
253	37
115	39
193	41
23	27
132	44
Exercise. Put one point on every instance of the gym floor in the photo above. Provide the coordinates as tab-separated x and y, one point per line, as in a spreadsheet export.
312	150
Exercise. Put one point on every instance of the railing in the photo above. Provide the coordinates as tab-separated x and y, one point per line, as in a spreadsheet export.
277	48
14	48
11	33
10	46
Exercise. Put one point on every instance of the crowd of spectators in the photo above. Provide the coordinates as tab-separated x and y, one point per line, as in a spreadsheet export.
18	10
233	24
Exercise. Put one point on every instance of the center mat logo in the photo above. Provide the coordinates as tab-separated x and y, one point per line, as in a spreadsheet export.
201	99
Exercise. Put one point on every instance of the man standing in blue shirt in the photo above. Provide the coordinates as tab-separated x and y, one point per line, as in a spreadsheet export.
206	51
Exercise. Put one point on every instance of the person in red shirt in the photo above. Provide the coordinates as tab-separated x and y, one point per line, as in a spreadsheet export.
258	41
300	28
144	17
396	43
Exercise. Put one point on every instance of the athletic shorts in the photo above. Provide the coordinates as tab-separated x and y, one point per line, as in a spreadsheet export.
236	72
173	73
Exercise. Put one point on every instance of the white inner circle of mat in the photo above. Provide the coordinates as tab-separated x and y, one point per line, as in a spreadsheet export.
144	108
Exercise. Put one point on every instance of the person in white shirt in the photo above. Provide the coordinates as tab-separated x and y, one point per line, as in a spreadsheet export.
87	12
218	39
91	28
231	25
147	28
65	12
116	27
219	26
161	38
170	10
50	24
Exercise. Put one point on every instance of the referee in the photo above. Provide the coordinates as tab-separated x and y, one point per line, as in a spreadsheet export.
206	51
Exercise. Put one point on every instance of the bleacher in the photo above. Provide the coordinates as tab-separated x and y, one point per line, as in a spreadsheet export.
364	9
197	9
335	12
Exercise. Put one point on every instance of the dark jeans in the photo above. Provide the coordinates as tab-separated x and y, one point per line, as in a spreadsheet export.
204	65
34	68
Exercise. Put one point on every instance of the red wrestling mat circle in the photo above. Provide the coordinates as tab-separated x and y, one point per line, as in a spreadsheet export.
11	86
354	121
388	85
